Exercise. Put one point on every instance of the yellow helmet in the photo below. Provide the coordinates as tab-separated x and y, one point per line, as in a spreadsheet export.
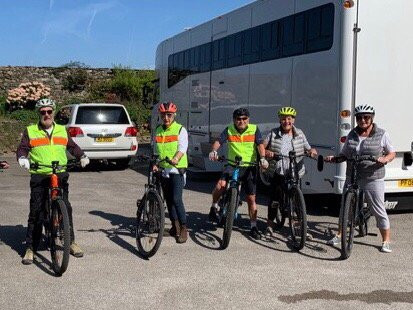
287	111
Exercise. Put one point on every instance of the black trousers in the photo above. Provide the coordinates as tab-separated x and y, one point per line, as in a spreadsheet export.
39	186
277	181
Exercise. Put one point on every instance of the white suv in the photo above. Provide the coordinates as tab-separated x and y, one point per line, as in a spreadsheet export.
102	130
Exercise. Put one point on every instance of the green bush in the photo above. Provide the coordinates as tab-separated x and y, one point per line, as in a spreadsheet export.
26	117
3	105
76	80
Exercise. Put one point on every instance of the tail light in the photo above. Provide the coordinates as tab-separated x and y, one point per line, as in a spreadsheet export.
131	132
343	139
75	132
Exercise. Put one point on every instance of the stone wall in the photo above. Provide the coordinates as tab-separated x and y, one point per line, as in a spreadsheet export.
54	77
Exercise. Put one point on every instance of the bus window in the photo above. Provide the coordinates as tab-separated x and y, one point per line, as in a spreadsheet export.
205	57
293	35
234	50
320	29
187	62
251	48
195	60
218	52
270	34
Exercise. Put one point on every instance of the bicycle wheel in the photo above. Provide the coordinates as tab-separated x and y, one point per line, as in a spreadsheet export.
59	236
230	208
150	224
347	221
280	214
298	218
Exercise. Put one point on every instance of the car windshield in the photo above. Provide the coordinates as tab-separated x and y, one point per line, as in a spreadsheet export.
101	115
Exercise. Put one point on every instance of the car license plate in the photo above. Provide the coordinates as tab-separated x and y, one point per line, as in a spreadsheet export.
104	139
406	183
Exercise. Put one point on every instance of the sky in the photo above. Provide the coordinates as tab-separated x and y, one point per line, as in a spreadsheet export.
97	33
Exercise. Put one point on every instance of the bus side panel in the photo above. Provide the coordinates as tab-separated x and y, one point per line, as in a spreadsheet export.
315	93
385	76
270	81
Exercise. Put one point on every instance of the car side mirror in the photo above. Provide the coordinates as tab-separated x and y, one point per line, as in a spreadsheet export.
320	163
408	159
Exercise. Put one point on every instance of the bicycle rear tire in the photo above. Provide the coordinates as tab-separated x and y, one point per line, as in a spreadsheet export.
347	224
298	218
229	216
59	236
150	224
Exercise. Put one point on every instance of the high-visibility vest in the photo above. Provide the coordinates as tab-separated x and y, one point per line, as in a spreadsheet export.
44	150
242	144
167	145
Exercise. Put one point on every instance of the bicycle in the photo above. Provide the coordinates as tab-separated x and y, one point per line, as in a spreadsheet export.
230	199
292	203
353	210
150	215
56	219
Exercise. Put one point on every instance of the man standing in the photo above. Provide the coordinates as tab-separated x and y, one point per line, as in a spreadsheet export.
43	143
171	141
243	140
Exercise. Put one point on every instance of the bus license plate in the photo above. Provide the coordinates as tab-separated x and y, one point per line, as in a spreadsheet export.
406	183
104	139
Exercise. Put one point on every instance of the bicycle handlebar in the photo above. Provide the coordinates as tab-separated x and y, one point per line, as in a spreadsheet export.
238	161
56	165
155	159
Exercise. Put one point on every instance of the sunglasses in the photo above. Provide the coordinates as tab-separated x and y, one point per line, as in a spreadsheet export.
44	112
365	117
242	118
169	115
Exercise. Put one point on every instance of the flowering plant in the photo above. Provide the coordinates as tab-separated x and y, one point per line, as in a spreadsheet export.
26	94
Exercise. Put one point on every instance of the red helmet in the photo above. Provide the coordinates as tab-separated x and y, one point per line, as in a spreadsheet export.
166	107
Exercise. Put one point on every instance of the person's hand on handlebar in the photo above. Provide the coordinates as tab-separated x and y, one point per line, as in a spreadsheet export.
269	154
264	163
24	163
84	161
312	153
382	160
213	155
330	159
4	165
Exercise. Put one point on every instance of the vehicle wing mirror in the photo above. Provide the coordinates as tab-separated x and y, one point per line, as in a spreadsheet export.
408	159
320	163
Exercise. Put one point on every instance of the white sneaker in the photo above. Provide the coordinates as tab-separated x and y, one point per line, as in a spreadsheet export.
385	247
334	241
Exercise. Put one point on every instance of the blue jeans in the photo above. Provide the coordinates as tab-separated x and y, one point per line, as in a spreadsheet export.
172	189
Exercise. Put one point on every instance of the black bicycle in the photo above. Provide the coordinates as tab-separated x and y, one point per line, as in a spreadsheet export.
292	203
354	211
230	199
150	215
56	218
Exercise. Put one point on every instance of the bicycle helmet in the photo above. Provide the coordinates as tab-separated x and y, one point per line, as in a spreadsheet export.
167	107
42	103
364	109
287	111
241	112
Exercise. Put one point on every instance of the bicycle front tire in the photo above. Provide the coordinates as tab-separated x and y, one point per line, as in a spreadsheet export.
229	216
59	236
150	224
347	223
298	218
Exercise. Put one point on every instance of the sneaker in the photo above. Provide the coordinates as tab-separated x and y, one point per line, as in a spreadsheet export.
385	247
334	241
269	232
213	214
254	233
174	231
75	250
28	257
183	236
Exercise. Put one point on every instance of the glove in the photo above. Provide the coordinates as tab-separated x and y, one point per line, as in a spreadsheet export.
24	163
84	161
264	163
213	155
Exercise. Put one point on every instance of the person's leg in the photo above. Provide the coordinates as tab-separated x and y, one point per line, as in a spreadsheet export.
249	179
177	185
217	193
63	181
166	184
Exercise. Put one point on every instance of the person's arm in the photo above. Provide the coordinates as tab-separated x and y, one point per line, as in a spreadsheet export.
182	146
312	152
223	137
74	149
24	147
389	150
259	141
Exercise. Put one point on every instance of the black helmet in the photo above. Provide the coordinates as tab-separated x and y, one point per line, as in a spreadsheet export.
241	112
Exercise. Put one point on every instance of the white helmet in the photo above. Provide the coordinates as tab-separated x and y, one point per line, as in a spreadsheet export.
363	109
42	103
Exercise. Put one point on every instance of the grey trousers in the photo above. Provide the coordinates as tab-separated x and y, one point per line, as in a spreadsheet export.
374	196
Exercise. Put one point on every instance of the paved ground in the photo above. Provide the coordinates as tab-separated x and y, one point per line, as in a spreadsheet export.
247	275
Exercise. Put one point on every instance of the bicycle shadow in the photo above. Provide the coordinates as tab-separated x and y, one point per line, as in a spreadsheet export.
123	227
201	231
14	237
